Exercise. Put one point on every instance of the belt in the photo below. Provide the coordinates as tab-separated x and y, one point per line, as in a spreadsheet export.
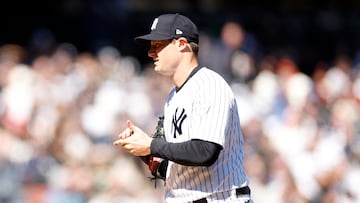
239	191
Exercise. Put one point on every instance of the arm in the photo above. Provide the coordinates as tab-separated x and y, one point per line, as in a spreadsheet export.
191	153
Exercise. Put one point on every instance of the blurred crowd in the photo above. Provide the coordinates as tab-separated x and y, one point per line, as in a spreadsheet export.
302	131
61	111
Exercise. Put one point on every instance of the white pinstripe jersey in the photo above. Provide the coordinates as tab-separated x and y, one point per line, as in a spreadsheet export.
204	108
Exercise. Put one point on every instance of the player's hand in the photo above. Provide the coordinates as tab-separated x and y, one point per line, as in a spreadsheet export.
134	140
128	131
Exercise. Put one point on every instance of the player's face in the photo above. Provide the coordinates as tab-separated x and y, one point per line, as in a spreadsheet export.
163	54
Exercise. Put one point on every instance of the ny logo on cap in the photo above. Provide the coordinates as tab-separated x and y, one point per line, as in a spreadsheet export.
153	26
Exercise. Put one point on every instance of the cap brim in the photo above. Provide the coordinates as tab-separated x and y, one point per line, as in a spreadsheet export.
152	36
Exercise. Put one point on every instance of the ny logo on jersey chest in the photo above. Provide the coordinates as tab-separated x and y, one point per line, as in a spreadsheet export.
178	120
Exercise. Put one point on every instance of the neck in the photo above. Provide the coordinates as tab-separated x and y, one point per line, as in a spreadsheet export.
183	72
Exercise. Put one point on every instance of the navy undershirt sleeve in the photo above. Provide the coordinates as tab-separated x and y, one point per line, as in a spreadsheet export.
191	153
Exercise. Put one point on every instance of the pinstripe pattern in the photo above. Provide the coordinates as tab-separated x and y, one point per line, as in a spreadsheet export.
209	113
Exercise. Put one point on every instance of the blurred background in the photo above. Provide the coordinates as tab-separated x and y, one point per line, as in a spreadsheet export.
71	75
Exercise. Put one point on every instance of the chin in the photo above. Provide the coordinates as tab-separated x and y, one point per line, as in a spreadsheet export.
157	68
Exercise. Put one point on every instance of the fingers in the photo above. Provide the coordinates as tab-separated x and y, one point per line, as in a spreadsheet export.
130	125
134	140
118	142
125	134
128	131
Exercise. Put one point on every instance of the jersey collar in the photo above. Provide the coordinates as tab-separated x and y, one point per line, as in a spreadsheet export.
190	75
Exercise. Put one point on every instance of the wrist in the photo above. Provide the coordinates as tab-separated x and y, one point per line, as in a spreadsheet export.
156	146
150	140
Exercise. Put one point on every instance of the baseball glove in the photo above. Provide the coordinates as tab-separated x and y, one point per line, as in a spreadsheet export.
157	165
159	131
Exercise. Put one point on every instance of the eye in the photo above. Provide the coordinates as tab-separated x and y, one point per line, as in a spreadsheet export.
159	45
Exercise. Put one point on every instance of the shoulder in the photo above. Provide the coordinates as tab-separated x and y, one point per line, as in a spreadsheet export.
210	77
209	84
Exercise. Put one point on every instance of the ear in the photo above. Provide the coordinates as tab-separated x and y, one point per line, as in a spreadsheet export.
182	43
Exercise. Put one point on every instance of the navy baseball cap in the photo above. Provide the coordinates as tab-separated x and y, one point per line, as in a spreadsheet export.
171	26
